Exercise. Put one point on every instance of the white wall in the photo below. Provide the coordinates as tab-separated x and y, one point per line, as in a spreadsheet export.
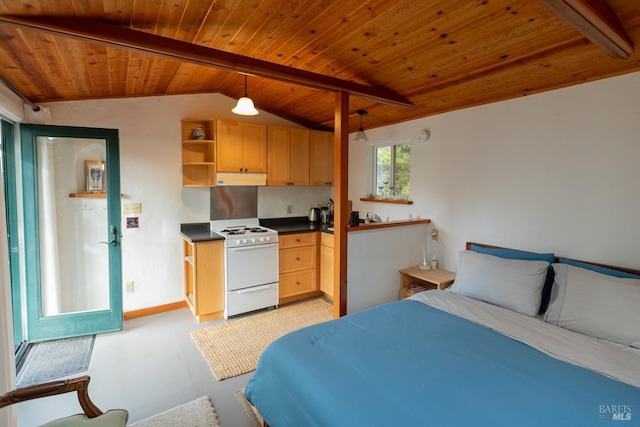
374	260
150	170
556	171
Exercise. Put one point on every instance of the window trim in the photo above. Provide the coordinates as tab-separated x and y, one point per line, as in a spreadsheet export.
372	194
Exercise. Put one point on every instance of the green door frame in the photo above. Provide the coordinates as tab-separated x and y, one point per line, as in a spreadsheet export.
39	327
10	194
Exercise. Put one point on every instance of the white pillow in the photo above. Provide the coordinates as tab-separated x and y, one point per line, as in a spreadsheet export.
509	283
596	304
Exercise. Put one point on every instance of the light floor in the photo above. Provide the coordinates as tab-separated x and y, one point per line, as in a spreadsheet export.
150	366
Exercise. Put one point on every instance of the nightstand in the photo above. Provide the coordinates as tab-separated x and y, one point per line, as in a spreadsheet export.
416	280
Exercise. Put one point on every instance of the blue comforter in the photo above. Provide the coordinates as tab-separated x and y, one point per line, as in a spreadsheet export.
408	364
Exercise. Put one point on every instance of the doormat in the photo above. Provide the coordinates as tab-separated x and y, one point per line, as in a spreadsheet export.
50	360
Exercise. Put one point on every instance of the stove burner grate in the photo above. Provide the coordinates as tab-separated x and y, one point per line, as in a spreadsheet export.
232	232
256	230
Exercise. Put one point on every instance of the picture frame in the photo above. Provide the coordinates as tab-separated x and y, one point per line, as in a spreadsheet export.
95	176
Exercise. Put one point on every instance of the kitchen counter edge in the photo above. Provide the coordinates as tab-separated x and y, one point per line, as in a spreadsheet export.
198	232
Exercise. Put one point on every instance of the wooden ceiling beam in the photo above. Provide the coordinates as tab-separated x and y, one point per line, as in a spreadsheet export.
596	21
139	41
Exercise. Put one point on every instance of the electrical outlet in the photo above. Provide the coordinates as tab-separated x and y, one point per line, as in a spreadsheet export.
434	234
129	287
288	209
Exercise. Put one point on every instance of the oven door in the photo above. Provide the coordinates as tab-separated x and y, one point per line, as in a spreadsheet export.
251	266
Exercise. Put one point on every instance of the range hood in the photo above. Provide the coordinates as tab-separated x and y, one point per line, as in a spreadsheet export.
239	178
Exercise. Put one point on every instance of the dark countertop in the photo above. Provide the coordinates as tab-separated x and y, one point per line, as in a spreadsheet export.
200	232
291	225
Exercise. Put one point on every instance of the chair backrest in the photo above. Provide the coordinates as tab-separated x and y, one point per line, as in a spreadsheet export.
80	385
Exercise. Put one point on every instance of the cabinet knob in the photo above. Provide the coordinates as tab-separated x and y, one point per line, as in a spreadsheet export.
298	240
297	282
297	258
240	169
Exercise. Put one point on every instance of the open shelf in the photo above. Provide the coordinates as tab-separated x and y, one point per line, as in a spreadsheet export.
199	155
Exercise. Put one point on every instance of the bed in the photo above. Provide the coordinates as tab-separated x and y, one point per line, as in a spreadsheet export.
490	351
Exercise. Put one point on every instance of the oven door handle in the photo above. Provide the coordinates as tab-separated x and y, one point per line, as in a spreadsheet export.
254	289
254	247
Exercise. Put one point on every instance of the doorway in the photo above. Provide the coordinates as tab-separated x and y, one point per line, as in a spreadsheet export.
70	198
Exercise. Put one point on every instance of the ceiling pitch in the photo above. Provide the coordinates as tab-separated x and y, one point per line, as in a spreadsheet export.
139	41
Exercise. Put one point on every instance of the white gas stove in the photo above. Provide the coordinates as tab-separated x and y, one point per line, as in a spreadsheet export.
251	265
243	232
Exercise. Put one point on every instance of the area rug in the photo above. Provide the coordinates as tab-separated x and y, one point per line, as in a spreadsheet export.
255	418
50	360
233	348
197	413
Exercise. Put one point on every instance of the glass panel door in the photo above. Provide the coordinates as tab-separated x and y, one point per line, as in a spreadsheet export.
71	191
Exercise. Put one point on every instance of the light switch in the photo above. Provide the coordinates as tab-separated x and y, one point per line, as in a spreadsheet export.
132	208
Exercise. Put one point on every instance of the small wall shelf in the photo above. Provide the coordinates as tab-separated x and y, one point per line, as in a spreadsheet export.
88	195
392	201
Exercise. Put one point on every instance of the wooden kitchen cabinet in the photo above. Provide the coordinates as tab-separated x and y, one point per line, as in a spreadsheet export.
287	156
241	147
321	157
326	264
298	267
203	264
198	153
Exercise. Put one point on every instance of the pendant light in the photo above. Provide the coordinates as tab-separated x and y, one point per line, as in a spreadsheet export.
245	107
361	136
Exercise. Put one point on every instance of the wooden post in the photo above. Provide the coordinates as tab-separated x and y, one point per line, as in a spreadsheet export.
341	215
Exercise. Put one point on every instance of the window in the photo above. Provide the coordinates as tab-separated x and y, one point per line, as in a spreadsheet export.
391	164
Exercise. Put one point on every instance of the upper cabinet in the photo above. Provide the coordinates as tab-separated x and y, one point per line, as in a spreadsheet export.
321	158
198	153
287	156
241	147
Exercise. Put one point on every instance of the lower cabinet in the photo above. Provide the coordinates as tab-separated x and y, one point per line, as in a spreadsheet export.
204	278
326	264
298	266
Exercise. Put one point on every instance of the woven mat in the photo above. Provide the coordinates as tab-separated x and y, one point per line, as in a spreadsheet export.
197	413
51	360
233	348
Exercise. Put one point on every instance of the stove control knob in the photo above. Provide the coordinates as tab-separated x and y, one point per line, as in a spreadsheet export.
238	242
268	239
253	240
262	239
244	241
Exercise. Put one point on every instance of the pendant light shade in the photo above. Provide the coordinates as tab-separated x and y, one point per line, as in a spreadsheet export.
245	106
361	136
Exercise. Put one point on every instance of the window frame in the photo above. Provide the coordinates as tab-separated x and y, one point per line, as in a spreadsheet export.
373	168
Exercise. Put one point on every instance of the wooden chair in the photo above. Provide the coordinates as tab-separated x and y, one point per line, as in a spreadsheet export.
79	385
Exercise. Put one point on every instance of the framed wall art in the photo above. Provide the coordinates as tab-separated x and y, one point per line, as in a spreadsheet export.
95	178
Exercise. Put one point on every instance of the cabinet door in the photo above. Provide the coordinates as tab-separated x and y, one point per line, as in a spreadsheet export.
326	270
321	168
299	156
296	259
208	262
254	149
278	155
229	148
296	283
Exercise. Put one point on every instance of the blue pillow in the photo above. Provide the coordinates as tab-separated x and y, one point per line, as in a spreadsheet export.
527	256
599	269
514	254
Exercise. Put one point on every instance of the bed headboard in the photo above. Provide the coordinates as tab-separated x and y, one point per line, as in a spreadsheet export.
613	267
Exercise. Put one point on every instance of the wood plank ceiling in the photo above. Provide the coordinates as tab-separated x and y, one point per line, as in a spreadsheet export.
441	55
